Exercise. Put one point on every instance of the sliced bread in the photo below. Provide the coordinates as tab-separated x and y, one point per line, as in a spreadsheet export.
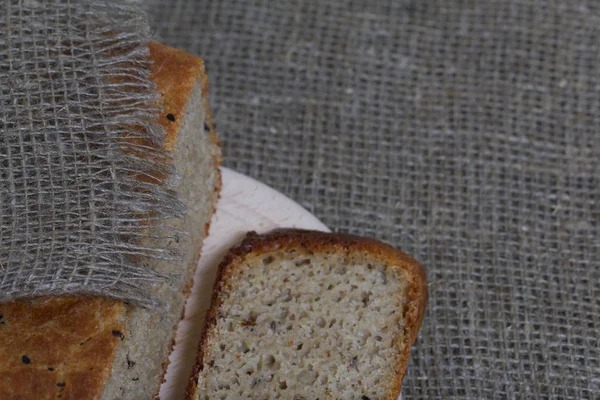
100	348
310	315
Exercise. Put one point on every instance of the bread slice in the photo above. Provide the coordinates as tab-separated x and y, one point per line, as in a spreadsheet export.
310	315
99	348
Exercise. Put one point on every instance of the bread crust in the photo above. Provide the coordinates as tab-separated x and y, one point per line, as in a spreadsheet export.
77	337
64	339
175	72
316	241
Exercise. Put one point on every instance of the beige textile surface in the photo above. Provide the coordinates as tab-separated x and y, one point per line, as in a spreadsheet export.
464	132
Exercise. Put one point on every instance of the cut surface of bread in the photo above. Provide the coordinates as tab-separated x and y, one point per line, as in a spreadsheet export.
100	348
309	315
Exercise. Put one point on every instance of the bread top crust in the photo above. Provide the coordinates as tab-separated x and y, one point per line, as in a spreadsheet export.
314	241
55	346
77	337
174	72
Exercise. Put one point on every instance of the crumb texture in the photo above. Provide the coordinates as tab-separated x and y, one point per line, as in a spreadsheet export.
296	325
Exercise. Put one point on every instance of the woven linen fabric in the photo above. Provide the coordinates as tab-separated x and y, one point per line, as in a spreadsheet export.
464	132
75	195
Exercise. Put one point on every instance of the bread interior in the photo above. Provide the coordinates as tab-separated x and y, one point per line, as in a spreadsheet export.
297	325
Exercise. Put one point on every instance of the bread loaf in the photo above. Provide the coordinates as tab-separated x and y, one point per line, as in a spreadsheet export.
310	315
99	348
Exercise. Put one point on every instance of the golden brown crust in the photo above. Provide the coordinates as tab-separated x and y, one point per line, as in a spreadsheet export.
317	242
78	336
55	346
174	72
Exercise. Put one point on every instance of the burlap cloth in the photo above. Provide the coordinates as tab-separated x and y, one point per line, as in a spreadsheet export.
72	203
465	133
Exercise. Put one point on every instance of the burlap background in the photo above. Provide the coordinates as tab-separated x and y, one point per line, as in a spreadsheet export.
464	132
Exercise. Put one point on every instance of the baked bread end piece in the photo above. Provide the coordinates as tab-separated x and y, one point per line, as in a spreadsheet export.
305	314
100	348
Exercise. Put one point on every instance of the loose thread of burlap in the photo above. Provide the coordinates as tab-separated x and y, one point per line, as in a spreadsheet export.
83	186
